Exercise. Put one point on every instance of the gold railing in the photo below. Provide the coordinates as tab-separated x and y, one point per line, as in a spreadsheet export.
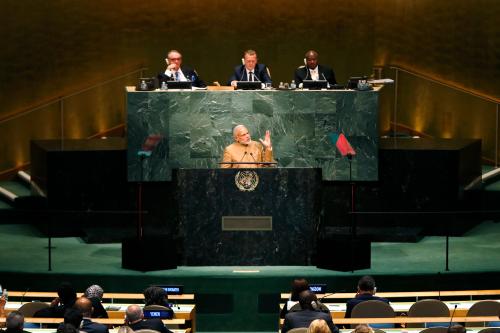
449	85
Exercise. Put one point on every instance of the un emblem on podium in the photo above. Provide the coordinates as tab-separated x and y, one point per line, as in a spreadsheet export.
246	181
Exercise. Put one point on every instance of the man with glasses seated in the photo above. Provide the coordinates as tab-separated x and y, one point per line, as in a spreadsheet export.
176	72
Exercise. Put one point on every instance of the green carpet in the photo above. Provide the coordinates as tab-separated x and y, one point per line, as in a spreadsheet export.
246	298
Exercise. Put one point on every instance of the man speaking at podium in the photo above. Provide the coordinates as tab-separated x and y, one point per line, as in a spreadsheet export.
244	150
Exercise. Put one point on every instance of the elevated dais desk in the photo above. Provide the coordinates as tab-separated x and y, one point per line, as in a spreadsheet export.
191	129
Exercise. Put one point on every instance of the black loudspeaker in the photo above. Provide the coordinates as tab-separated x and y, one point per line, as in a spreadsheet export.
343	254
149	253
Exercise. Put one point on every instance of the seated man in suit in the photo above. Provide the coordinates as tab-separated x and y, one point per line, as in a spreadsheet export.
176	72
310	311
84	305
66	298
250	70
134	318
313	71
366	292
245	150
14	323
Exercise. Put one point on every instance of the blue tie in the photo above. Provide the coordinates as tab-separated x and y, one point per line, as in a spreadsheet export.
177	76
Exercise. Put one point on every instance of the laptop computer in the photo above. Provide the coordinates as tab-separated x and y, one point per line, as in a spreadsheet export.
315	84
248	85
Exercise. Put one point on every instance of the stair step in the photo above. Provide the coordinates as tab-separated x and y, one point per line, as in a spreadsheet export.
16	187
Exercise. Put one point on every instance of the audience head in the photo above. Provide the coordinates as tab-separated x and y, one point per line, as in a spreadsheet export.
174	58
84	305
67	328
133	313
15	320
73	316
311	59
66	293
318	326
298	285
155	296
367	285
94	291
125	329
456	329
250	59
308	300
362	328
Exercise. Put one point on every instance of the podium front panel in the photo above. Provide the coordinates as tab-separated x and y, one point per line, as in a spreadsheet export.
277	219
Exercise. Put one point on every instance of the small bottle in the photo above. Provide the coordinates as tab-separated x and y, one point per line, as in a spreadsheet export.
281	86
6	294
144	86
293	85
164	86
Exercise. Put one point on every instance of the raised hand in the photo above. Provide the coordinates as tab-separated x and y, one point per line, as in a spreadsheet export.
267	140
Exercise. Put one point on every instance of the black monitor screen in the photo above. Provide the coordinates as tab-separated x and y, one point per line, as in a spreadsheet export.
179	84
248	85
314	84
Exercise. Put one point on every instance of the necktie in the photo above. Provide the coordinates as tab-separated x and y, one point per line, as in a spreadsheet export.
251	76
177	76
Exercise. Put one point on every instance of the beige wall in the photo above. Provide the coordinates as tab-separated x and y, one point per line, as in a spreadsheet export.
55	47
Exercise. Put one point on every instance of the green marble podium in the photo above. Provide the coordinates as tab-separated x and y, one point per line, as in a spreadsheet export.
195	126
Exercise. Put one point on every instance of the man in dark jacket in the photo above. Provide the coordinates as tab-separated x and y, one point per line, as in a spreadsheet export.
366	292
134	318
310	310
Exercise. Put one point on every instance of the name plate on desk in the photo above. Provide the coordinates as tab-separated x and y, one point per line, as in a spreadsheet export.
247	223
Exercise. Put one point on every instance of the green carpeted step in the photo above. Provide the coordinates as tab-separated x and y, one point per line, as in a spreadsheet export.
16	187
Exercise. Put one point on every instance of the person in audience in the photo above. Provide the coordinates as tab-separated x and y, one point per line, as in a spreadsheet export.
67	328
244	149
309	312
366	292
15	323
85	306
3	301
58	306
95	293
250	70
458	329
313	71
362	328
298	285
318	326
176	72
72	316
157	296
134	318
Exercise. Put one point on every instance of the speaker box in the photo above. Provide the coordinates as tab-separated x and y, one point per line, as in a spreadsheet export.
344	254
149	253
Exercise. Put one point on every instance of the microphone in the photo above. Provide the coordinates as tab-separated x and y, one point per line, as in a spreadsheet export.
324	78
245	154
242	72
307	72
22	297
439	285
451	319
325	296
253	157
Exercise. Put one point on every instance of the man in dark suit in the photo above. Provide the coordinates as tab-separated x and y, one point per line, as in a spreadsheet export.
366	292
313	71
84	305
176	72
310	311
134	318
250	70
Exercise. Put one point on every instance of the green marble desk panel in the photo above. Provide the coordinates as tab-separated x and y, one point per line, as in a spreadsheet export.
197	125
